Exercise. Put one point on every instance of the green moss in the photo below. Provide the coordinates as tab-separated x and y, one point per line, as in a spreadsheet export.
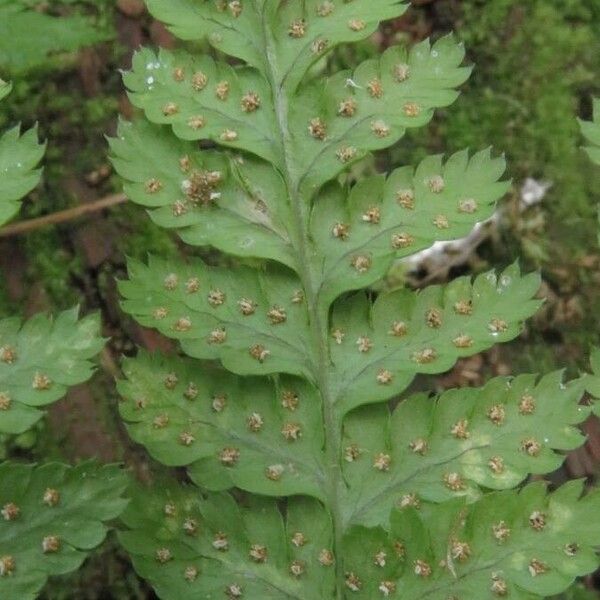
141	236
54	266
535	63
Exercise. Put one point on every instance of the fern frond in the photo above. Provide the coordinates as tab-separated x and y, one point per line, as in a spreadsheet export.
371	108
301	417
204	99
458	444
254	322
337	124
537	543
265	439
239	211
385	218
186	543
29	38
228	202
247	433
53	515
39	360
526	544
19	157
376	350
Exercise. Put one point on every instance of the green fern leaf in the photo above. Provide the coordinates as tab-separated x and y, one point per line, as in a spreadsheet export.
226	202
5	89
53	515
371	108
455	445
39	360
337	125
255	325
530	544
19	156
487	437
28	38
254	322
203	99
591	131
232	432
376	350
244	217
525	545
188	545
386	218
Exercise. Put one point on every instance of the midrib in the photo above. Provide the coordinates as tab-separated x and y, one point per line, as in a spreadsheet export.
318	321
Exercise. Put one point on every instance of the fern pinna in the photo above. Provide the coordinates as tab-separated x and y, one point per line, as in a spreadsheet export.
307	483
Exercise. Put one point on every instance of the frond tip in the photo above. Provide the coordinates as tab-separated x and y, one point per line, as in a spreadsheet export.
299	33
